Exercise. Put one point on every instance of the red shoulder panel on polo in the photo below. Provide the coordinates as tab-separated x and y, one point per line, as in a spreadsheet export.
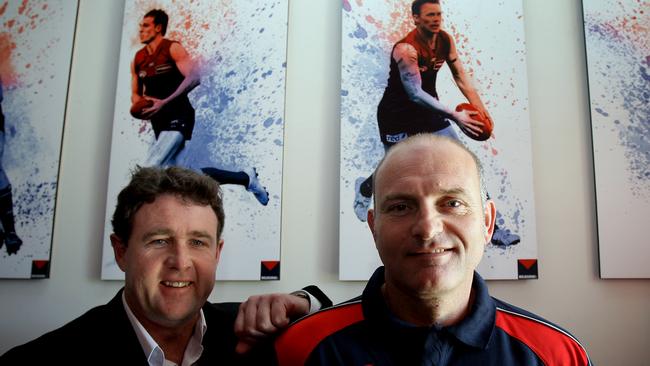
294	346
543	338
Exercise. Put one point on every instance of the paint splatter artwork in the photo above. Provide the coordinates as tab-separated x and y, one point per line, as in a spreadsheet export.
490	42
238	51
36	40
617	35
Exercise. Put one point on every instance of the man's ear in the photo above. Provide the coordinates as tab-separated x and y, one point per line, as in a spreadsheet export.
219	248
371	221
119	250
490	218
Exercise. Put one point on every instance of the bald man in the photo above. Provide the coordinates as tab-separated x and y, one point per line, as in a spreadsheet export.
427	305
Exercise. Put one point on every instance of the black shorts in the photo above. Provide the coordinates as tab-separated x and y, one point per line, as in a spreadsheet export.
181	122
394	128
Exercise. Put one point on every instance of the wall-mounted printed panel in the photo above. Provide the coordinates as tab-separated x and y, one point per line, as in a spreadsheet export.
231	125
490	43
617	36
36	39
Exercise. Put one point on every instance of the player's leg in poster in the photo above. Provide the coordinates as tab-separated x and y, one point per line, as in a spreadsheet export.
248	179
163	152
8	235
363	185
170	143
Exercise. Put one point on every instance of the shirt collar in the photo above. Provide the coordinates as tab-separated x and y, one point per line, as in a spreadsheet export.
474	330
153	352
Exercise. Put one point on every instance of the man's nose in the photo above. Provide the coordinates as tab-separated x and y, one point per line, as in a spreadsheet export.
428	223
179	257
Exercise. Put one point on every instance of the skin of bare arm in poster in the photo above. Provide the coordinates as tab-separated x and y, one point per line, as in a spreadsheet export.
411	96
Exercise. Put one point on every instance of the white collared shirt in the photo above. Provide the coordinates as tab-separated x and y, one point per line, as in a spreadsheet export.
155	354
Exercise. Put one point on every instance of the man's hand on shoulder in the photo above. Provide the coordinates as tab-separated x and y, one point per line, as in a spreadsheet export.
263	315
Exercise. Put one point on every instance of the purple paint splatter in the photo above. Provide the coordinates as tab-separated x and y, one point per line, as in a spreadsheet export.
623	41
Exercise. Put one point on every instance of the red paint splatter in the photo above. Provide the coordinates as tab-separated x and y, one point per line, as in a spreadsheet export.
142	128
21	18
22	7
398	25
186	24
7	72
495	152
346	5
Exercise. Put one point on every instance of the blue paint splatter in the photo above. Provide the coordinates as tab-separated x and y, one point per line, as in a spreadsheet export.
360	32
627	91
644	74
36	200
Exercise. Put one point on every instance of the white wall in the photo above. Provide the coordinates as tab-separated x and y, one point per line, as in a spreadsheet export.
612	318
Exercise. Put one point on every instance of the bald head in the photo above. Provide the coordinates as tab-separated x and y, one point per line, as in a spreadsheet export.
433	144
430	223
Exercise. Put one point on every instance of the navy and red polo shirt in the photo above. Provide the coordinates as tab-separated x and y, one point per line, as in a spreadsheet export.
364	332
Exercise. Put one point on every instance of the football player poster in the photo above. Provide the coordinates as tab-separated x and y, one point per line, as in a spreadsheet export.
617	36
466	51
36	40
201	85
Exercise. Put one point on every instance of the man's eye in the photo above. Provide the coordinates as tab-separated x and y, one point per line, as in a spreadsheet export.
456	206
158	242
197	243
398	208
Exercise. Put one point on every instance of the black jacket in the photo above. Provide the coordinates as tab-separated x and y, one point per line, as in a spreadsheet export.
104	336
